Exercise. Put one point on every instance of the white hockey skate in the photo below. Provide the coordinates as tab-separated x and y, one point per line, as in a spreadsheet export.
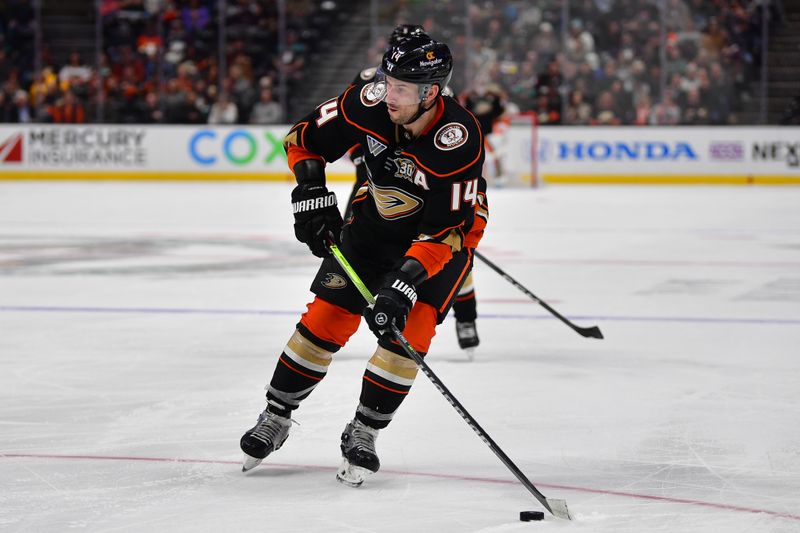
468	339
267	436
359	458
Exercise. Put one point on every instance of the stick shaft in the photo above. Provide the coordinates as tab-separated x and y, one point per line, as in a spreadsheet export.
593	331
440	386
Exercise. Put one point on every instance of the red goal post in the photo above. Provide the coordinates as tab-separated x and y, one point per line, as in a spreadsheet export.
512	152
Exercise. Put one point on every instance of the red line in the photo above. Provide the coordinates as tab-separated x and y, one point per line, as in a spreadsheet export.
665	499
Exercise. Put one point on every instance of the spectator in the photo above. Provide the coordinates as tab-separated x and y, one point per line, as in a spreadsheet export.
174	103
791	117
623	103
195	17
643	110
578	112
266	111
152	113
42	81
545	42
223	111
547	110
20	110
694	111
677	16
128	109
579	42
241	86
5	63
665	113
605	111
69	110
73	71
193	114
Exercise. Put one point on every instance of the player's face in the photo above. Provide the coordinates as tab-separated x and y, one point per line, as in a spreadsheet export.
402	100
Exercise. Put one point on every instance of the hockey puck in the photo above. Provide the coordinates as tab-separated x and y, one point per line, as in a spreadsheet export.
528	516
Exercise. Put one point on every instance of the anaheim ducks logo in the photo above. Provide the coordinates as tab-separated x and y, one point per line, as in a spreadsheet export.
334	281
393	203
450	136
369	96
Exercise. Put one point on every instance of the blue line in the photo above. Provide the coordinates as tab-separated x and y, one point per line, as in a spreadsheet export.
490	316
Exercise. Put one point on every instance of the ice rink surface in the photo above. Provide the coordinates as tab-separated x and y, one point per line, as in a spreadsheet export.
140	322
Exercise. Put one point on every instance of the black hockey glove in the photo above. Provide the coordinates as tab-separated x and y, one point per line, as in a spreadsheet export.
316	217
392	304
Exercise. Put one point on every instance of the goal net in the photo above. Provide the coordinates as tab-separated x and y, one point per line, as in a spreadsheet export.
511	154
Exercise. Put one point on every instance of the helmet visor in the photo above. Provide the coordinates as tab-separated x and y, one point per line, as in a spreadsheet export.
397	92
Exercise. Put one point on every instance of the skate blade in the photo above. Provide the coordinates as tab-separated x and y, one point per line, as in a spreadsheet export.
352	476
470	353
250	463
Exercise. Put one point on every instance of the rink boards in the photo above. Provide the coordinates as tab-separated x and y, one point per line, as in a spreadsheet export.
601	155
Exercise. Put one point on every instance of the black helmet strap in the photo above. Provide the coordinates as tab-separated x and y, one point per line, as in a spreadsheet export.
421	110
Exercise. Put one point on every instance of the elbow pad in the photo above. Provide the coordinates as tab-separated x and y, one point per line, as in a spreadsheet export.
309	172
414	270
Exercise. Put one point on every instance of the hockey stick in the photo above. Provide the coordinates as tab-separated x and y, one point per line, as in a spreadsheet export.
593	331
557	508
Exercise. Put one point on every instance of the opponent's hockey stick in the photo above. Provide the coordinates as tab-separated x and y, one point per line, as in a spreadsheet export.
593	331
556	507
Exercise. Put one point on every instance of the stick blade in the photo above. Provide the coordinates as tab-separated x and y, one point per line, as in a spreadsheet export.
559	508
593	332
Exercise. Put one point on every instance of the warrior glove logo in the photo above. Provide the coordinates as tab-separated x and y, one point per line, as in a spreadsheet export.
406	290
381	319
312	204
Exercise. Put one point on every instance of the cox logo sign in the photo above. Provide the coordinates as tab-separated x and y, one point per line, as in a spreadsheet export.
239	147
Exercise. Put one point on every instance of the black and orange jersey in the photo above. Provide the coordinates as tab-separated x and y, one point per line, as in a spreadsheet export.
487	108
357	152
425	197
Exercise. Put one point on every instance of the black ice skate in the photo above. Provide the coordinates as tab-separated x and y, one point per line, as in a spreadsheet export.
265	437
359	458
467	335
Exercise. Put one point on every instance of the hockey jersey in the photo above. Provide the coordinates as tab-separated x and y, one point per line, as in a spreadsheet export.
425	197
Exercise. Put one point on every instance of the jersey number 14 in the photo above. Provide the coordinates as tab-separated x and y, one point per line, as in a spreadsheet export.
470	195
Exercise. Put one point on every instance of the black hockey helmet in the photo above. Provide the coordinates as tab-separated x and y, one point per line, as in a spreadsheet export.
419	60
405	31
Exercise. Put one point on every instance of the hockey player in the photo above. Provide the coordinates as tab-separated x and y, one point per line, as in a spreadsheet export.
411	238
486	102
465	305
399	34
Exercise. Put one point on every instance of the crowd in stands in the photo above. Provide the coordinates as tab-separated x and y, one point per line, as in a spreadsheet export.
602	63
160	63
601	66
